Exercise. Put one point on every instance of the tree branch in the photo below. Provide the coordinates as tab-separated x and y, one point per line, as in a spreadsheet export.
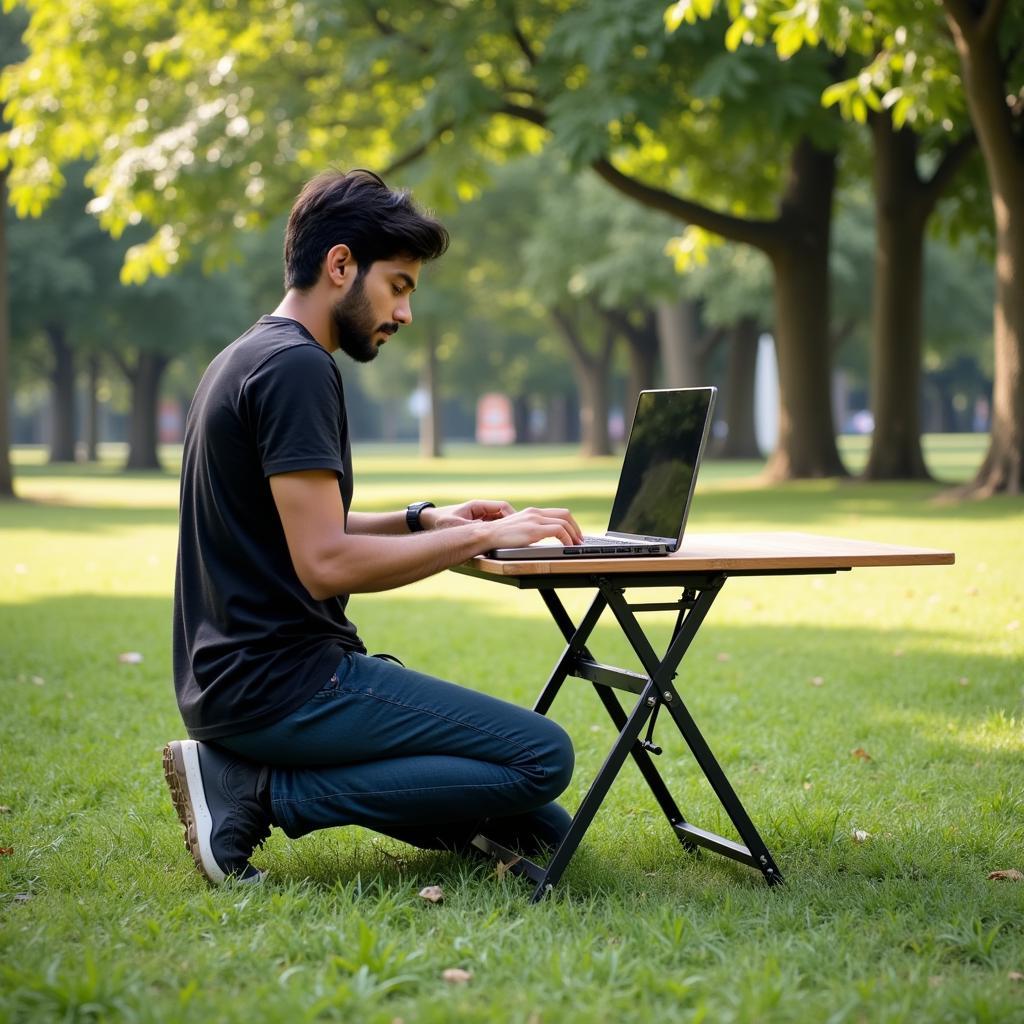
412	155
963	18
386	29
951	162
382	26
762	234
123	366
521	41
565	324
990	18
531	114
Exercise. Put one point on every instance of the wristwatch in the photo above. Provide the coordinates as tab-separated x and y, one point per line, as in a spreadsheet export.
412	515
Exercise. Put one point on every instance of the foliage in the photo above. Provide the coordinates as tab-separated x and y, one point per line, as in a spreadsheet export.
201	121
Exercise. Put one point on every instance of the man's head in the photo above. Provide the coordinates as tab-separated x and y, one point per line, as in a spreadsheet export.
363	244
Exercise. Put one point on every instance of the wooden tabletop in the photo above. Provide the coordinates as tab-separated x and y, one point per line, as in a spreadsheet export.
729	552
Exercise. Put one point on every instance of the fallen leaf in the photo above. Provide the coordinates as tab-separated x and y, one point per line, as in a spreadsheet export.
860	836
817	680
503	869
432	894
860	754
456	975
1006	875
6	851
1015	976
130	658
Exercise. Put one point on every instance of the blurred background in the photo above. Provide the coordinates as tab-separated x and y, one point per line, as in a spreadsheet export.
791	201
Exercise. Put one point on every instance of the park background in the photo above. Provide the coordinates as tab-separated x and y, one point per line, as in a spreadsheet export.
639	195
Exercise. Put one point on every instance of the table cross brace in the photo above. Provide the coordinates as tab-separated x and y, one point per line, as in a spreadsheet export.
654	689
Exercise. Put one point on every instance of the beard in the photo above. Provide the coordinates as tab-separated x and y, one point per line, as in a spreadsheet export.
355	326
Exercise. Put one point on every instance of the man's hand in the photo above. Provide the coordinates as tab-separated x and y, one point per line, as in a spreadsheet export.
515	529
467	512
533	524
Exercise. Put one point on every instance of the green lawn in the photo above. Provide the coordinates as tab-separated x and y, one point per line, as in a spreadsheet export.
102	916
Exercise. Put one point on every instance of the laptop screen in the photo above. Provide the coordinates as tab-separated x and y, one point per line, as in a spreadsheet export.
660	465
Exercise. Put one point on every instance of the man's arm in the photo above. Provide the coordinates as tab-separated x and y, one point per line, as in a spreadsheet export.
431	518
330	560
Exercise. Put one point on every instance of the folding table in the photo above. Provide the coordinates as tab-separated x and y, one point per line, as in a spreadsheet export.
698	570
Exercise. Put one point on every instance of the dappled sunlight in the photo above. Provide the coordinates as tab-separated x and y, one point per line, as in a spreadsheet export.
993	732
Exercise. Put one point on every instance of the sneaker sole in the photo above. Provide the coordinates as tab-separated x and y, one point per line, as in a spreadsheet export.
185	781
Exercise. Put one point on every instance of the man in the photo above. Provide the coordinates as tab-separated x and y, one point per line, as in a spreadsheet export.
291	723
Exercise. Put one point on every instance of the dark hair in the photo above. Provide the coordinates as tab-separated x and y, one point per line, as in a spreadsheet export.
355	208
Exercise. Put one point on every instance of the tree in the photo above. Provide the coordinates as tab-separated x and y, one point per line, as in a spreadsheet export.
919	142
989	39
214	110
153	322
11	50
63	275
933	58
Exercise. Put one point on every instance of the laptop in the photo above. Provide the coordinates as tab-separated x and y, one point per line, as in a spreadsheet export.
656	482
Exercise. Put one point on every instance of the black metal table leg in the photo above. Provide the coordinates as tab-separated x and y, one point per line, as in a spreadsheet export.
654	689
596	794
661	670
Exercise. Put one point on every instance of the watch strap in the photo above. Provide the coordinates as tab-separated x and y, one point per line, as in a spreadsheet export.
412	515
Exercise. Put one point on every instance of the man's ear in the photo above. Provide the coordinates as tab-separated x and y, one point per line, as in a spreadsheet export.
339	265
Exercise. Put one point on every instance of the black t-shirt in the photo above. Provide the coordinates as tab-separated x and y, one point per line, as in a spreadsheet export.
250	643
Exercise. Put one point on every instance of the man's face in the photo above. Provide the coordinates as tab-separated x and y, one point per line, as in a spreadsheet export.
376	305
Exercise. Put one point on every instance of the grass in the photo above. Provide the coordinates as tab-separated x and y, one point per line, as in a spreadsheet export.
103	918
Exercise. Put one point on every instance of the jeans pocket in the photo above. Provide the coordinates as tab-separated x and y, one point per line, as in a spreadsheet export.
333	685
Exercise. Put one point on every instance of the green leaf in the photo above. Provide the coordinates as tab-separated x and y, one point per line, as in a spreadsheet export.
734	34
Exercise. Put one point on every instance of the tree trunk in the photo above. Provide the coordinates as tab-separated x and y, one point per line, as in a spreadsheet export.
430	421
62	395
591	371
142	431
807	443
92	408
797	242
521	419
678	343
977	41
642	348
896	330
741	441
6	477
592	378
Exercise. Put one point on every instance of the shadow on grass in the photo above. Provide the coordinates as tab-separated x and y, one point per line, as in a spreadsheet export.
56	517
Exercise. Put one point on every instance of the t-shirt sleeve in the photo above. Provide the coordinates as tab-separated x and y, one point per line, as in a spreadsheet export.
294	405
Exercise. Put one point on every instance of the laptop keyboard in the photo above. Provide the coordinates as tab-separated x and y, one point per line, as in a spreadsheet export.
614	542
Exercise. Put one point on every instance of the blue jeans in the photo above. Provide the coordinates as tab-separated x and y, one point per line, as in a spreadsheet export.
414	757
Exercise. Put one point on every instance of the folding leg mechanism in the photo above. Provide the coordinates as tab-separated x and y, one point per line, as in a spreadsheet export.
654	689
